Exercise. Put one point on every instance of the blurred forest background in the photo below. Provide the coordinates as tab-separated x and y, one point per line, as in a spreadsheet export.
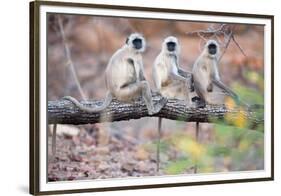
121	149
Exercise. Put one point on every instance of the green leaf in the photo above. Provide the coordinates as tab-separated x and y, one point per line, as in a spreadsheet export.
178	166
218	150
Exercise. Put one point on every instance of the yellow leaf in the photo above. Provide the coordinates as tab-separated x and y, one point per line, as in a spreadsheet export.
193	148
240	120
229	103
254	77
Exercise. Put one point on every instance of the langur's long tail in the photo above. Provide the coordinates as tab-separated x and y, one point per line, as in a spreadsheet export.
236	97
105	104
197	131
158	143
247	106
54	140
250	107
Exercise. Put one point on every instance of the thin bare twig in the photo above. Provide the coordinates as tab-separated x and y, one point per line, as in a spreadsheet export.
69	59
226	45
236	43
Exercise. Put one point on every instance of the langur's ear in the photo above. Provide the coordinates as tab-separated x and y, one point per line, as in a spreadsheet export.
127	40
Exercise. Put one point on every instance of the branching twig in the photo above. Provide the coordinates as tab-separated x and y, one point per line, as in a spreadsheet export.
210	32
228	39
225	31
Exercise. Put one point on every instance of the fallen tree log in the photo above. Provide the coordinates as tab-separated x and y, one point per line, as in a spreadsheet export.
64	112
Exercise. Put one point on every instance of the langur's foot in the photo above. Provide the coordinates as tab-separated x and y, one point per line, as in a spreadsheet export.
159	105
200	103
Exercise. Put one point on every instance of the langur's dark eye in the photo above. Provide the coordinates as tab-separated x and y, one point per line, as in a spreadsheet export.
212	49
137	43
171	46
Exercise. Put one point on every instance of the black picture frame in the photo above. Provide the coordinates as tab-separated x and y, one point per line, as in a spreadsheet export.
35	95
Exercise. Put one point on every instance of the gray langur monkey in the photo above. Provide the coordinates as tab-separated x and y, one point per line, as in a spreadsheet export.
170	80
206	76
124	78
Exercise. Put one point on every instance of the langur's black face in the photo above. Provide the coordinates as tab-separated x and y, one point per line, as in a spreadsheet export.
212	49
171	46
137	43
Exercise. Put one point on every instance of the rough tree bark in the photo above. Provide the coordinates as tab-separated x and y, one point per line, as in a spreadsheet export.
64	112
